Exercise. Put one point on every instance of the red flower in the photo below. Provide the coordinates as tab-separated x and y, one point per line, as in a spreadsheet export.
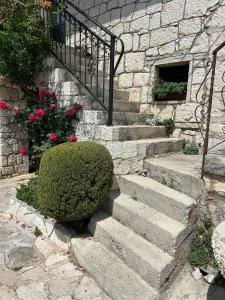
53	106
32	118
40	113
43	93
70	112
4	105
53	95
78	107
72	138
53	137
23	151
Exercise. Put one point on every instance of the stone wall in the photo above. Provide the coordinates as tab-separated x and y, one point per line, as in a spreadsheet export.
163	32
11	137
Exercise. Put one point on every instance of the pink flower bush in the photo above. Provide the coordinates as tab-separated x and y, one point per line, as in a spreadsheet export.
23	151
72	138
53	106
40	113
43	93
78	106
4	105
53	95
70	112
53	138
32	118
45	123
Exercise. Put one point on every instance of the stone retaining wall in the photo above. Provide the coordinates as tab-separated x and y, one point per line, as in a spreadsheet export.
164	32
11	137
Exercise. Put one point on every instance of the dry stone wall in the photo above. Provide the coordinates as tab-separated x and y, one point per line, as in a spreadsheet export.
11	137
162	32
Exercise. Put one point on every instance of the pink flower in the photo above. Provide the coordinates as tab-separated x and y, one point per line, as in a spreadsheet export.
53	137
78	106
53	106
53	95
32	118
70	112
43	93
4	105
16	111
23	151
40	113
72	138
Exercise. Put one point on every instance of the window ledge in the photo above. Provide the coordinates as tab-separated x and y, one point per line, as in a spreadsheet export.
169	102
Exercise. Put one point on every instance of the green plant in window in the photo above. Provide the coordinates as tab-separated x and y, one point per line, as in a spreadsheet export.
162	89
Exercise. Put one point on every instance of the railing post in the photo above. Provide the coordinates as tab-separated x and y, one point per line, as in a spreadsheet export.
111	80
206	141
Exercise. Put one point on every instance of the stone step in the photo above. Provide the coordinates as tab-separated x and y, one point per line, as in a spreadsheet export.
119	132
161	230
146	259
120	106
117	280
180	172
99	117
160	197
143	148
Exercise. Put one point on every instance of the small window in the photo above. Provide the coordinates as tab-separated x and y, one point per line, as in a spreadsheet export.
171	83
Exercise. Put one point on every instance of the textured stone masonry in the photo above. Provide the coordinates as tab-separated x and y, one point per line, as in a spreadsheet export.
163	32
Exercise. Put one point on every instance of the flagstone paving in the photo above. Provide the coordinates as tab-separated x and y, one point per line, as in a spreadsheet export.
33	268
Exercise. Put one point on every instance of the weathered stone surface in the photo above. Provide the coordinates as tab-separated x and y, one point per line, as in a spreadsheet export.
34	291
163	35
215	165
134	62
172	11
20	257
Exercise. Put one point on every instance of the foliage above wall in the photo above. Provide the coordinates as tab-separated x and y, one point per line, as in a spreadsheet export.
162	90
23	41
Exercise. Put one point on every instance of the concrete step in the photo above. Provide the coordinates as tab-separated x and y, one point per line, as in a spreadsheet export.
117	280
160	197
161	230
180	172
142	148
100	117
146	259
120	133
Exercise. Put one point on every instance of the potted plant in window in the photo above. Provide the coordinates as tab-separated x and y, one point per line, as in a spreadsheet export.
169	91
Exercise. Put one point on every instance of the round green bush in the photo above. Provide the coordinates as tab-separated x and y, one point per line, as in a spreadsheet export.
74	180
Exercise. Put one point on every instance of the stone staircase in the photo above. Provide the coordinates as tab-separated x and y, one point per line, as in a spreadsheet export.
139	240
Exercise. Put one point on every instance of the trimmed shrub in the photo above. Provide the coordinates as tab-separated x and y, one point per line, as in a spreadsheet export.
74	180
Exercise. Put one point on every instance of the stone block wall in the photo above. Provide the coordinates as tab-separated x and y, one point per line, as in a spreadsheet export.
11	137
165	32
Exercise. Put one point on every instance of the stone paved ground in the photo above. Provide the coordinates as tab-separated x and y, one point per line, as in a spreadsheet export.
187	288
34	268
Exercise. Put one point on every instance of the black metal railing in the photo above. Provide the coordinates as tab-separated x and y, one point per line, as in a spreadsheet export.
88	50
204	109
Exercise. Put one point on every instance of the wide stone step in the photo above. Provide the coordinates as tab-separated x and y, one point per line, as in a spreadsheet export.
160	197
100	117
180	172
146	259
120	133
112	275
161	230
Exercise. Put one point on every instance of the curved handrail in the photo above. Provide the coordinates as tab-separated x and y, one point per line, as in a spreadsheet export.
207	104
